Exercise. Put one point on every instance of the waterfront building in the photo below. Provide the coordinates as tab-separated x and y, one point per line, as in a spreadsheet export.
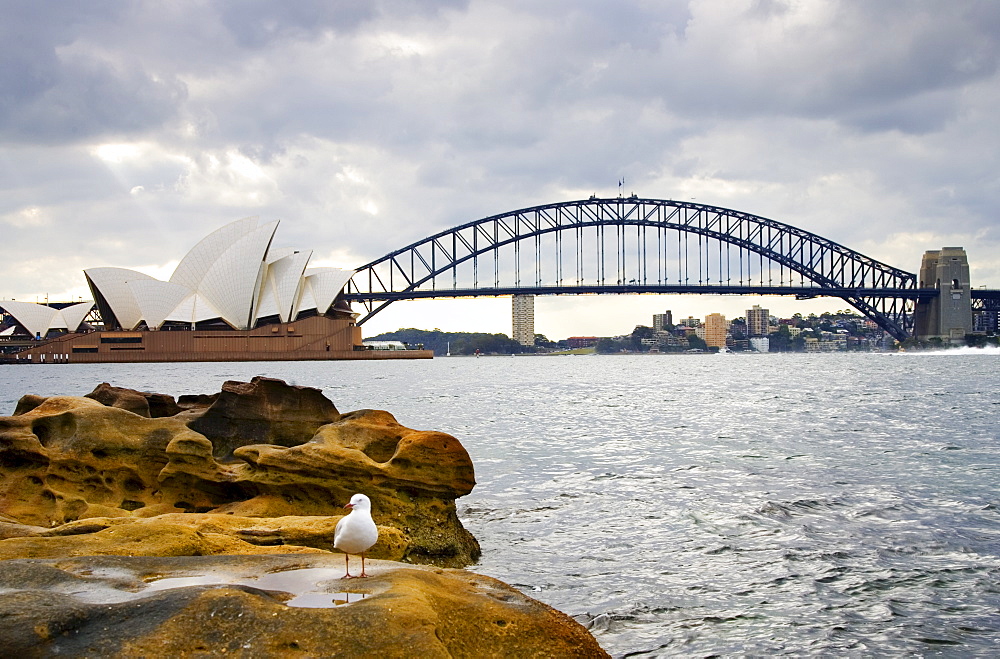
523	317
757	321
715	330
760	343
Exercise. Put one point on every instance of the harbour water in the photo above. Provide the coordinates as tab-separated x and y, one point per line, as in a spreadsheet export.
696	505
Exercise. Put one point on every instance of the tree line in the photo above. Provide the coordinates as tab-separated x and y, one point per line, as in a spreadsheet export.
458	343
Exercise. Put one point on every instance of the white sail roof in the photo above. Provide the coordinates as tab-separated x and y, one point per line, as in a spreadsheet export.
113	284
326	284
193	309
280	288
38	319
74	314
156	299
306	301
231	283
195	265
233	274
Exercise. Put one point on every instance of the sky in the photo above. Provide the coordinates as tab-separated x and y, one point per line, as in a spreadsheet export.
130	130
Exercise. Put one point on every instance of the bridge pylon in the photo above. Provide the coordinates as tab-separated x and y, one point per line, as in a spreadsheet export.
948	316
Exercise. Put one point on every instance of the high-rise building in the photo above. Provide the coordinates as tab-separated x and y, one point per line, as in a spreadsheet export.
757	321
523	314
715	330
662	320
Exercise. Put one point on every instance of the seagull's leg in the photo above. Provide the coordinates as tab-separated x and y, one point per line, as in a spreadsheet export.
363	565
347	563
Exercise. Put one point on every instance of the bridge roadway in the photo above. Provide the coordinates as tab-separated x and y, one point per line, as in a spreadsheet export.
800	292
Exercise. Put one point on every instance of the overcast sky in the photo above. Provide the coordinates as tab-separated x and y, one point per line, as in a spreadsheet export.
130	130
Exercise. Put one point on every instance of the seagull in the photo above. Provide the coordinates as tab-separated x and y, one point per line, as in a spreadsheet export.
356	533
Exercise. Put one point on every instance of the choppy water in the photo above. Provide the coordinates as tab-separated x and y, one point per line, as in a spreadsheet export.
826	505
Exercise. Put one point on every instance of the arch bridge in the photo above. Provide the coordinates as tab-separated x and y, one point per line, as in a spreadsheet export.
630	245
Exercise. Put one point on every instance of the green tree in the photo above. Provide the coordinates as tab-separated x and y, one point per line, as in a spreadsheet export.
976	340
542	341
696	342
606	346
638	334
780	341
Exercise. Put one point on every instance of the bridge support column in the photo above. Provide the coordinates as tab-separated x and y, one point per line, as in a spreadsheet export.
949	315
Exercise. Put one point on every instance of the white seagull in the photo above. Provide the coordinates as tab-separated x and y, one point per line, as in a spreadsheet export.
356	533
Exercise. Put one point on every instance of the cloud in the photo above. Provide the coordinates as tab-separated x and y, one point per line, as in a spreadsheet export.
129	130
60	88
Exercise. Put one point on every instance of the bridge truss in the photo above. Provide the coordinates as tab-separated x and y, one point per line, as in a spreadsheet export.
632	245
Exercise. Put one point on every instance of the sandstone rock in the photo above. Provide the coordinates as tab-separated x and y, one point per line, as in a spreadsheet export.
185	534
270	606
242	532
196	401
27	403
67	458
69	453
143	403
263	411
16	530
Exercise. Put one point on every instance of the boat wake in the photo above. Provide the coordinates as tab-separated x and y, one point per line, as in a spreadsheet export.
964	350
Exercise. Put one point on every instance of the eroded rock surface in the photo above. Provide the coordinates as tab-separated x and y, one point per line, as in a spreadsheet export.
271	606
262	449
143	403
263	411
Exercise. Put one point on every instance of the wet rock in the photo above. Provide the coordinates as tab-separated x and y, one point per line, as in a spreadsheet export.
265	606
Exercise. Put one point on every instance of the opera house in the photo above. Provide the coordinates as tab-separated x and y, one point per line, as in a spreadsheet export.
233	297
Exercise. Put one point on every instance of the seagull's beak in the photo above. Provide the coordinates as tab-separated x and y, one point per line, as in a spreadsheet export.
349	506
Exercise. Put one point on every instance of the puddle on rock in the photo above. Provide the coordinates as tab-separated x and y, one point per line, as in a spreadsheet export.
305	585
324	600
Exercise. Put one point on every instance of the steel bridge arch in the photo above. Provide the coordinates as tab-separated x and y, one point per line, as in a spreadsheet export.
881	292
